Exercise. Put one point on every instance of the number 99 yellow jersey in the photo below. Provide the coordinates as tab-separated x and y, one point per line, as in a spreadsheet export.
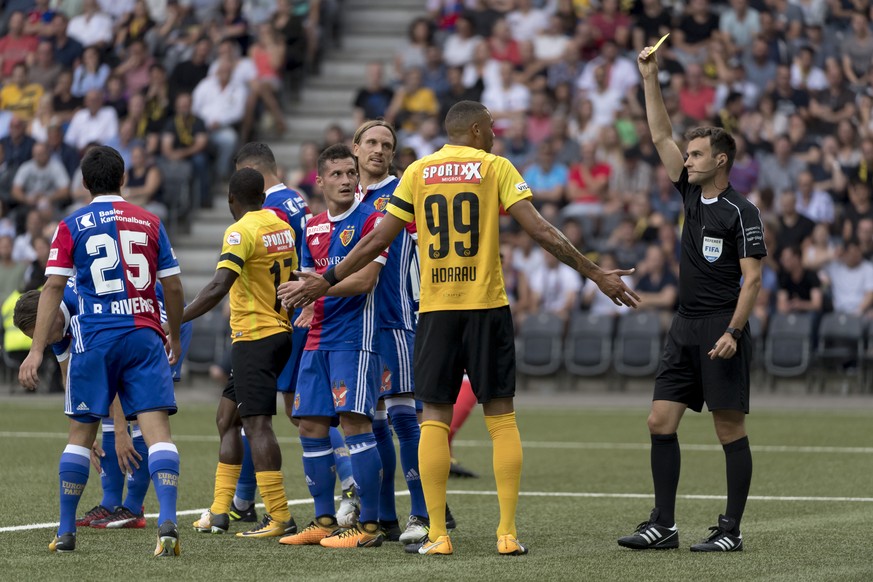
454	196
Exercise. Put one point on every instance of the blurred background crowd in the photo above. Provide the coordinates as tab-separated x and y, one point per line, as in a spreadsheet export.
177	85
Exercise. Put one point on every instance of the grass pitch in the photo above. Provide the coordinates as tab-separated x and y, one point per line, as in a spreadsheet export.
585	483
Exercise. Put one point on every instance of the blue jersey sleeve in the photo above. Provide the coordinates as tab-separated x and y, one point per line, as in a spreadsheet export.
307	263
167	263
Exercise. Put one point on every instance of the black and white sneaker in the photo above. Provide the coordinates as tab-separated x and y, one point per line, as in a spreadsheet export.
651	536
721	539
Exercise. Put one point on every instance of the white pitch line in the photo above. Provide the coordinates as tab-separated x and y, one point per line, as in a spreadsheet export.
572	445
584	495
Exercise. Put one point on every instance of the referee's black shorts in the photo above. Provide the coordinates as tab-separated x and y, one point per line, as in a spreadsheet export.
686	374
479	341
255	366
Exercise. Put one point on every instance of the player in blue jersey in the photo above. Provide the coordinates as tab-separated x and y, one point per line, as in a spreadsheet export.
121	452
339	371
258	156
117	251
374	146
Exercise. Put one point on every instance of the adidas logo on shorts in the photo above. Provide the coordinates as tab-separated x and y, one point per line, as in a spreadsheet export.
83	407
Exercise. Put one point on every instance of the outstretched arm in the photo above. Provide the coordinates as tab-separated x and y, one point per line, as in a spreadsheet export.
659	120
553	240
210	295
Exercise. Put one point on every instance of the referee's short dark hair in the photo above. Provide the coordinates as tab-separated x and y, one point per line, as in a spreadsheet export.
102	170
721	141
336	152
247	186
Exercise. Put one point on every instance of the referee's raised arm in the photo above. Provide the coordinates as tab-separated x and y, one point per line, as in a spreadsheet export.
659	120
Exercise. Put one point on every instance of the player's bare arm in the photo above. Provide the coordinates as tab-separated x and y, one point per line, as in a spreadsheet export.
659	121
360	283
174	303
211	295
369	247
726	346
49	303
554	241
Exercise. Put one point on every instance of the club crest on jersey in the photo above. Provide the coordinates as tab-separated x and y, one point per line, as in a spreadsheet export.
386	380
346	235
297	401
452	172
340	391
85	221
712	248
381	203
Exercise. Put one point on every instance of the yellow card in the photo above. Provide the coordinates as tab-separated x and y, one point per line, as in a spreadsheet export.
658	44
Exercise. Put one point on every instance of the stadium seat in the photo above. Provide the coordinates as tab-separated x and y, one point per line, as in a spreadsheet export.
757	331
588	347
637	348
207	340
788	347
539	345
840	346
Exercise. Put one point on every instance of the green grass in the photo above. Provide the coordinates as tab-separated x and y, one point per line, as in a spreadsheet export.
571	538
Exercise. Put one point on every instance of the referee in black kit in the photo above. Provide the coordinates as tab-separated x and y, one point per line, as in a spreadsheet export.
708	349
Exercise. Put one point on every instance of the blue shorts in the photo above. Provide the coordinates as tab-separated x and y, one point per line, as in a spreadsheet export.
176	370
334	382
395	352
287	380
135	367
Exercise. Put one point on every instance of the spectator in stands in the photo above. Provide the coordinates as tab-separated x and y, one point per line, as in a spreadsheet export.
759	69
11	271
482	71
66	50
739	25
125	141
805	74
779	170
427	139
22	248
95	123
134	25
412	103
696	97
221	105
135	68
34	274
459	45
19	96
434	73
91	73
864	234
373	100
40	181
794	227
831	105
183	146
696	27
412	53
857	49
663	196
851	280
859	207
517	147
538	122
635	178
243	70
45	115
231	25
652	20
655	283
819	250
620	72
587	185
526	21
268	55
623	244
788	99
67	155
745	169
143	183
457	91
92	27
565	148
548	181
45	68
799	288
555	288
15	149
605	102
15	46
582	126
816	205
187	74
64	103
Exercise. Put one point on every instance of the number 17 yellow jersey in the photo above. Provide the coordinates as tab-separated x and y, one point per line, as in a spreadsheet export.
454	197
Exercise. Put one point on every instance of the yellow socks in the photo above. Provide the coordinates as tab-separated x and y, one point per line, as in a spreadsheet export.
434	461
272	488
507	468
226	477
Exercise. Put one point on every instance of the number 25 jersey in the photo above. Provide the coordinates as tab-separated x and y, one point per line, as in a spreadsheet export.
454	196
117	252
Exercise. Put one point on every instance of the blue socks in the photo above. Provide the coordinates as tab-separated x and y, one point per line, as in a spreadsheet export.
164	469
319	468
247	484
341	458
367	469
138	482
388	458
111	477
72	478
405	423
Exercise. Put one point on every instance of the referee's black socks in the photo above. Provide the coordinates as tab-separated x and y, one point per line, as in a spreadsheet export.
738	466
666	462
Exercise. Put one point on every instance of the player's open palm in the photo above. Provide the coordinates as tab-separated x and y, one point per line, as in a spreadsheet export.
28	372
613	287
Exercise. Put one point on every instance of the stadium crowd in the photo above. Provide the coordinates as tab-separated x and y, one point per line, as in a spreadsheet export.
177	85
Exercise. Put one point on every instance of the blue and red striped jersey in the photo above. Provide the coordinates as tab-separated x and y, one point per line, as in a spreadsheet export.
117	251
340	323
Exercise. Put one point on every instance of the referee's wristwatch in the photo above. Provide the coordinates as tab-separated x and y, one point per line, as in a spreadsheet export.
734	333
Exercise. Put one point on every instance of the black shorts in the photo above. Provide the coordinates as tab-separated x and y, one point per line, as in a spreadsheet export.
480	342
687	375
255	367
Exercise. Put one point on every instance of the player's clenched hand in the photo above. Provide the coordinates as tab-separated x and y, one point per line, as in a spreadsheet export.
310	287
96	454
613	287
724	348
648	65
28	372
128	458
305	319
